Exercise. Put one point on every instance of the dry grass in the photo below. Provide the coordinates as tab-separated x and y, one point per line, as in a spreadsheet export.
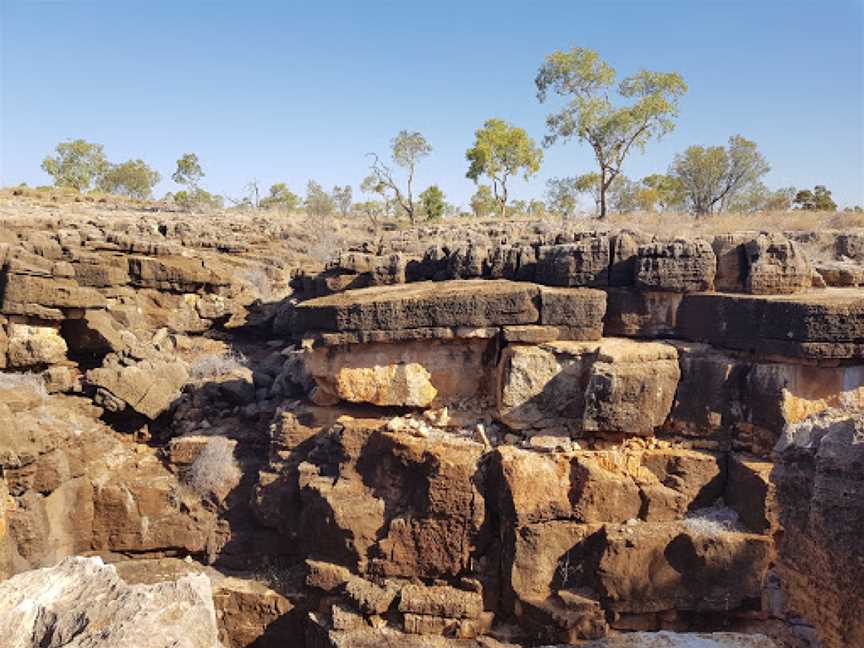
215	470
260	283
213	365
673	225
712	520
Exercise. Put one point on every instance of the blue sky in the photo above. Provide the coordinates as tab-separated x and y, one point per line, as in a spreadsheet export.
287	91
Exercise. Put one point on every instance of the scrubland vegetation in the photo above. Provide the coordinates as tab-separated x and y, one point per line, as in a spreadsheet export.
612	118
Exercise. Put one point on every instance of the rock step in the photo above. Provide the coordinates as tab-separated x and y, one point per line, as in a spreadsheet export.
461	303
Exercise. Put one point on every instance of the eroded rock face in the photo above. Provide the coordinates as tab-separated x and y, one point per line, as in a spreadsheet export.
496	429
82	602
818	481
611	386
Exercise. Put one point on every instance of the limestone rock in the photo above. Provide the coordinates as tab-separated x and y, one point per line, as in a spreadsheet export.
455	303
412	374
822	324
775	265
23	290
42	607
149	386
667	639
631	388
30	346
584	263
541	382
441	601
818	482
615	385
680	266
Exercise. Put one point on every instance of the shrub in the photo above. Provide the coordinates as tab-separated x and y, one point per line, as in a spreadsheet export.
712	520
215	470
260	283
212	365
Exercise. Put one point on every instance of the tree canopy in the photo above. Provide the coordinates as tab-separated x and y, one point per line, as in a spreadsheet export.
500	152
318	202
712	177
280	196
818	199
132	178
589	115
189	171
78	164
406	150
432	200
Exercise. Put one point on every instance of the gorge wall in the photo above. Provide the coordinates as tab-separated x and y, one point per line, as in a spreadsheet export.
479	435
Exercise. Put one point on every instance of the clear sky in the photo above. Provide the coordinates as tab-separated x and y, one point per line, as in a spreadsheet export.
287	91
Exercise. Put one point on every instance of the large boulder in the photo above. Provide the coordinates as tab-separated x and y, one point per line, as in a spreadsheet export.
149	386
615	385
34	345
82	602
760	264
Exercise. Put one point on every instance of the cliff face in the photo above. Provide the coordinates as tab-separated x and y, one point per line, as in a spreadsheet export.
468	437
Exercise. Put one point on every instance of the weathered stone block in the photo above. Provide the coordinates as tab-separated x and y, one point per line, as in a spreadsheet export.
425	304
680	266
584	263
412	374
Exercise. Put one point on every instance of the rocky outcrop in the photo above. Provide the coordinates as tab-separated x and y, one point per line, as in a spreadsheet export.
82	602
818	480
485	434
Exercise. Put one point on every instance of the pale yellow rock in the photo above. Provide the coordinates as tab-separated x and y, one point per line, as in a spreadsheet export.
407	384
34	345
415	373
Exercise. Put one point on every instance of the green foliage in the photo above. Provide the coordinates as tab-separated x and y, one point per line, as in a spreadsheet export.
342	198
589	115
132	178
818	199
537	208
280	197
624	195
483	202
374	210
661	192
432	202
758	198
318	202
501	151
406	150
78	164
714	177
188	171
197	199
562	196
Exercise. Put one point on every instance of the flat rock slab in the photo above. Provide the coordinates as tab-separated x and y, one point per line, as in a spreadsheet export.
460	303
665	639
823	324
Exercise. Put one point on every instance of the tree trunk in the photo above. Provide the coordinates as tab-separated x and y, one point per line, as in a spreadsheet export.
503	201
603	185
